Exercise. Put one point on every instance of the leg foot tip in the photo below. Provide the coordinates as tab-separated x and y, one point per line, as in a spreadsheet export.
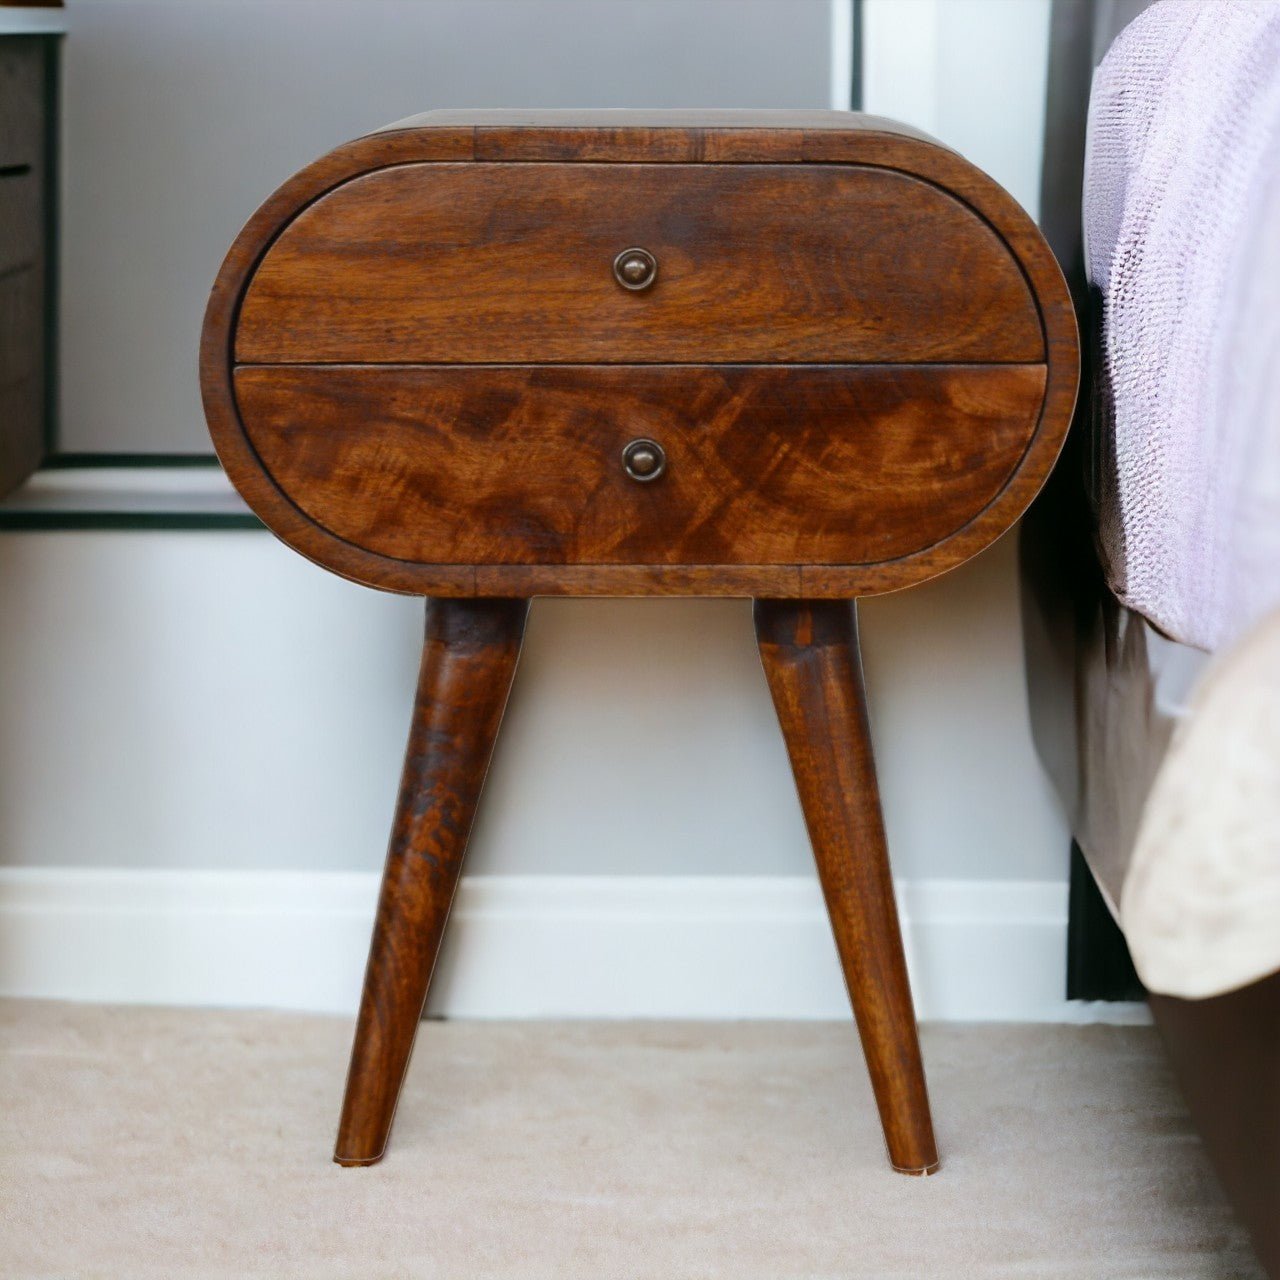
355	1162
918	1171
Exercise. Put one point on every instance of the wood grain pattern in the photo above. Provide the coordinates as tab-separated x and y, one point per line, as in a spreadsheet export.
522	465
507	263
648	135
638	139
641	124
814	669
468	662
859	356
643	137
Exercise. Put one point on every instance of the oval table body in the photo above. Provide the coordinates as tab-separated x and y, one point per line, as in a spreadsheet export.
795	356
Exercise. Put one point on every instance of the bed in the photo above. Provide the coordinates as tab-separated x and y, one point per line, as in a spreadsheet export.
1151	564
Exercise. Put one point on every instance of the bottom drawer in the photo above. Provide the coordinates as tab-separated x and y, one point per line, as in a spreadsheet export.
523	465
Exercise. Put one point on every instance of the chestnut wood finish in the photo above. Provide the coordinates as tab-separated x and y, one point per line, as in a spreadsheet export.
767	464
299	284
856	363
508	263
814	668
468	661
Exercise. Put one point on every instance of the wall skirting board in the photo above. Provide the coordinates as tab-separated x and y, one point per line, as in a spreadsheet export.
529	946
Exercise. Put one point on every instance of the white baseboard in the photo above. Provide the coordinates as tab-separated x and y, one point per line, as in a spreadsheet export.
529	946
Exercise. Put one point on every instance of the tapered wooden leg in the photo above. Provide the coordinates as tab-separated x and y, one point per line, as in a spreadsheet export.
811	659
468	661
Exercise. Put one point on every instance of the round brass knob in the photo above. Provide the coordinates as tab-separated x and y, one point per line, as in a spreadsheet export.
644	460
635	269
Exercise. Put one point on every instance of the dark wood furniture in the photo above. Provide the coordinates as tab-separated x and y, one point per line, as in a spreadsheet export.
27	78
800	357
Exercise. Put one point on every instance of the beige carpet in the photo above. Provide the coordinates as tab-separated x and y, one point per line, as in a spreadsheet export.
140	1143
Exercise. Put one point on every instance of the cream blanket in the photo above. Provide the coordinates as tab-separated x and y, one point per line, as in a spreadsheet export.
1182	227
1201	901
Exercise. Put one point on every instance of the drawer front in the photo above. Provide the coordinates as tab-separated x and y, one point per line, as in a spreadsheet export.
511	263
524	465
22	102
21	330
21	220
22	110
23	67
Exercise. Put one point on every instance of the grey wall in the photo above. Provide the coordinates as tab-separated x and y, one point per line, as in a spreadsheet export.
212	700
183	115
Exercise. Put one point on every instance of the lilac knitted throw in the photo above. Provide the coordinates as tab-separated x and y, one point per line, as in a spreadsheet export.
1182	229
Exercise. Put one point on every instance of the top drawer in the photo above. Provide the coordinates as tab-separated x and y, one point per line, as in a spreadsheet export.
481	263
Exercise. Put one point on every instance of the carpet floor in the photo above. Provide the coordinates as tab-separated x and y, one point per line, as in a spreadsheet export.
140	1143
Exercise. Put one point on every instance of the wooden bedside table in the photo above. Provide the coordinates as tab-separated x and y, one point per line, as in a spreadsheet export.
482	356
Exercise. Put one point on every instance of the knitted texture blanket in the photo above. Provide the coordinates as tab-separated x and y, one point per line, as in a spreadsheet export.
1182	231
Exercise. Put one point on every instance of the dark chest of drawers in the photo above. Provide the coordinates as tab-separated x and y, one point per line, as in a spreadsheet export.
27	76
